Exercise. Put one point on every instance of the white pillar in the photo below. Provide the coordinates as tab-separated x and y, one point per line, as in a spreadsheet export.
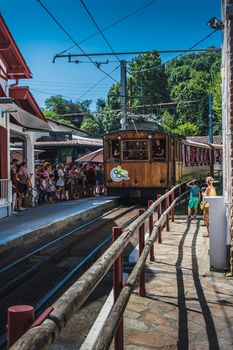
29	146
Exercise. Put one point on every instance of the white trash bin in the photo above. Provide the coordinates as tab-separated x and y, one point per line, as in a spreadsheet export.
218	232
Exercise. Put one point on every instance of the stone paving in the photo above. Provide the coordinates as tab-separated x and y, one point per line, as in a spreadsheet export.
186	306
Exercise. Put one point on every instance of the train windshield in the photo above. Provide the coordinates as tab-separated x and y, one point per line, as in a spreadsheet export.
159	149
136	150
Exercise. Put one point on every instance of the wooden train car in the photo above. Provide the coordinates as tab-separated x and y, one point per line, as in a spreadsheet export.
142	163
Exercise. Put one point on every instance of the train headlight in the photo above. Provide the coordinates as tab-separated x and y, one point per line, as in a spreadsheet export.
149	136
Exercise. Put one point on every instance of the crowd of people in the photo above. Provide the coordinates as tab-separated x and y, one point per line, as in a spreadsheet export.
54	183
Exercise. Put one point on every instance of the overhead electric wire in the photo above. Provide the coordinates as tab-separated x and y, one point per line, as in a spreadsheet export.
52	94
98	82
73	40
76	98
57	83
99	29
180	55
113	24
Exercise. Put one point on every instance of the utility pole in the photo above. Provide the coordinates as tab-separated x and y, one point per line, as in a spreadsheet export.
210	118
123	94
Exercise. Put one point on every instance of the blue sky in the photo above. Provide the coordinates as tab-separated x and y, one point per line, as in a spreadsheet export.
166	24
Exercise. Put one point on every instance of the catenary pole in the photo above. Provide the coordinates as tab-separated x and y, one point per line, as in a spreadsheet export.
123	94
210	118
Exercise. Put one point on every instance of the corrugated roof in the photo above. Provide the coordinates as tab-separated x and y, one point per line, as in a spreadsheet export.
78	141
94	157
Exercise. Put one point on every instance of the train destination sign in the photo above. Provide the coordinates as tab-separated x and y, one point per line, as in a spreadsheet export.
118	174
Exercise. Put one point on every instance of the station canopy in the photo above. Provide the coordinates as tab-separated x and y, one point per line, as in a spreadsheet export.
22	117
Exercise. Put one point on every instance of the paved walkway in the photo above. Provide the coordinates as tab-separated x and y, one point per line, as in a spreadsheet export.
34	218
187	306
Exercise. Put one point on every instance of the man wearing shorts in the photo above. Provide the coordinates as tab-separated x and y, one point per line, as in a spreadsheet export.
193	199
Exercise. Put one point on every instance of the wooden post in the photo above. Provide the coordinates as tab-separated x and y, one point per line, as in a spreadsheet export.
159	211
173	209
151	224
167	216
142	290
117	287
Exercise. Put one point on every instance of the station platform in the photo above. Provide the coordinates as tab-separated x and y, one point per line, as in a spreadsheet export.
186	305
33	223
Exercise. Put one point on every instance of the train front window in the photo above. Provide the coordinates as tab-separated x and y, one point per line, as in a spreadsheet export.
159	149
136	150
114	150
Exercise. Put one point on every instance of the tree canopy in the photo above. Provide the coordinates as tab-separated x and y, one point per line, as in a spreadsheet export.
66	111
176	94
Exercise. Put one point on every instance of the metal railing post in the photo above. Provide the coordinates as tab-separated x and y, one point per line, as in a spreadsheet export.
167	216
117	287
19	319
173	209
159	211
142	290
151	224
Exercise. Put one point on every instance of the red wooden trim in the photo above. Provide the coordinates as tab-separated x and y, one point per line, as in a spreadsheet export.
14	48
3	77
192	161
3	69
23	93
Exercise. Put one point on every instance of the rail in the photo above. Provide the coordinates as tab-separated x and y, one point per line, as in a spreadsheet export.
43	336
4	191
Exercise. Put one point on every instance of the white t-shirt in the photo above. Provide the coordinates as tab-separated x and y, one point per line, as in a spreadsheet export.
60	181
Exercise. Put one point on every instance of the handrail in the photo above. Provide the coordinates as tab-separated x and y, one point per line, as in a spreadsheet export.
106	336
43	336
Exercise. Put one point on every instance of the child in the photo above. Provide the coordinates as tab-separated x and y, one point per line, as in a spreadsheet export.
210	192
193	199
203	203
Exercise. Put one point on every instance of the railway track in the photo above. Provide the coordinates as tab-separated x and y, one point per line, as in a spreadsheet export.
40	276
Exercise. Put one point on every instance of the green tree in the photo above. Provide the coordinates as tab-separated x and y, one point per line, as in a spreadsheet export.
190	79
91	125
187	129
69	110
52	115
148	82
172	125
168	122
111	120
216	92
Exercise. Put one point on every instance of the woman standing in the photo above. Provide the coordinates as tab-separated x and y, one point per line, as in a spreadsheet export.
210	192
